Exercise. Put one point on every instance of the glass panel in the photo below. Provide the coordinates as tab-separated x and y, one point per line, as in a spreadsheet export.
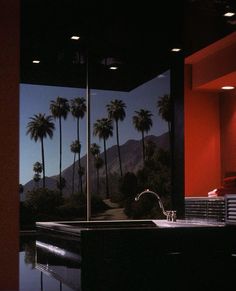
140	165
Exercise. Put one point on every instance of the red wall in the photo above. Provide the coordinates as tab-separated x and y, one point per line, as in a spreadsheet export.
210	116
9	119
202	140
228	132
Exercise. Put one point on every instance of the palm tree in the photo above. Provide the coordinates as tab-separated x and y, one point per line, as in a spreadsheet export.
98	161
116	112
78	109
60	109
142	122
75	148
164	109
103	129
37	168
39	127
95	149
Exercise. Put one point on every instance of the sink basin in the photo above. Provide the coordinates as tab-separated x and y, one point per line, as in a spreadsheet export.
75	227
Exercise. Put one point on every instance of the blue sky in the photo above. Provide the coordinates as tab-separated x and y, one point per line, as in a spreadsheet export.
36	99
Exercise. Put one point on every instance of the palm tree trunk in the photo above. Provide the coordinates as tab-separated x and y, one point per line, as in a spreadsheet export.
43	162
143	146
80	184
73	176
105	156
97	181
170	134
118	147
60	154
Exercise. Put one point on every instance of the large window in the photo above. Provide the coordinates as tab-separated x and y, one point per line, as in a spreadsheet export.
129	150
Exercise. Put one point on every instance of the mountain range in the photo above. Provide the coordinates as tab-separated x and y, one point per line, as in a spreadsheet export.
131	156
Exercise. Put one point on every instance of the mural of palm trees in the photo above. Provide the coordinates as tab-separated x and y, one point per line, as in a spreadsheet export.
143	122
75	149
116	112
39	127
103	129
37	168
164	109
60	109
78	109
98	162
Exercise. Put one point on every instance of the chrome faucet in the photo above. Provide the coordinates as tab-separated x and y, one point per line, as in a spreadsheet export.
170	214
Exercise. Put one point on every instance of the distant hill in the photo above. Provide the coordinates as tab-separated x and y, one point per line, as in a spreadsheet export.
131	155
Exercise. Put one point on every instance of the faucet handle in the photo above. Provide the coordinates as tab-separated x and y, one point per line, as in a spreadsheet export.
174	216
171	215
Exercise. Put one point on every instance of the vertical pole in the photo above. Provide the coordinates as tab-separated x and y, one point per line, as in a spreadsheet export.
88	141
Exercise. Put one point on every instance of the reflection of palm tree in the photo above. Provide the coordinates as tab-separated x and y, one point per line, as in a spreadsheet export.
116	111
75	148
103	129
59	109
164	106
78	109
39	128
143	122
98	161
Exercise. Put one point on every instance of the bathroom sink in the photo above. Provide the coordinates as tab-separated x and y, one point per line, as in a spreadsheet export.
75	227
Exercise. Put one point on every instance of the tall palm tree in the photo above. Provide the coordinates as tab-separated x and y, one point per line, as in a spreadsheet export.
98	161
103	129
40	127
116	112
143	122
164	109
78	109
60	109
75	149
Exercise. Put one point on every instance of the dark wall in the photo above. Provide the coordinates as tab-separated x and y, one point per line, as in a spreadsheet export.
9	156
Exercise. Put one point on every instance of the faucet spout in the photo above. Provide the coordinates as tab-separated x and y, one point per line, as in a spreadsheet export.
170	214
147	191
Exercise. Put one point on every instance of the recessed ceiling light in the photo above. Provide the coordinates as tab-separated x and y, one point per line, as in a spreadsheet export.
113	68
36	61
227	87
229	14
75	37
176	49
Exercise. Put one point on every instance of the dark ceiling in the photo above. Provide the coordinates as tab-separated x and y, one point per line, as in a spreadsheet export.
137	37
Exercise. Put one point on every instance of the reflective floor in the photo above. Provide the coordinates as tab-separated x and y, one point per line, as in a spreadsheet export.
47	266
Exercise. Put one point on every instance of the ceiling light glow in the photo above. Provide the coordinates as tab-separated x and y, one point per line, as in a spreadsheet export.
227	87
176	49
36	61
229	14
75	37
113	68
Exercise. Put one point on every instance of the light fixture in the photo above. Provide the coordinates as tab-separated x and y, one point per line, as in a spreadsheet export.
229	14
36	61
227	87
75	37
113	68
176	49
112	63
